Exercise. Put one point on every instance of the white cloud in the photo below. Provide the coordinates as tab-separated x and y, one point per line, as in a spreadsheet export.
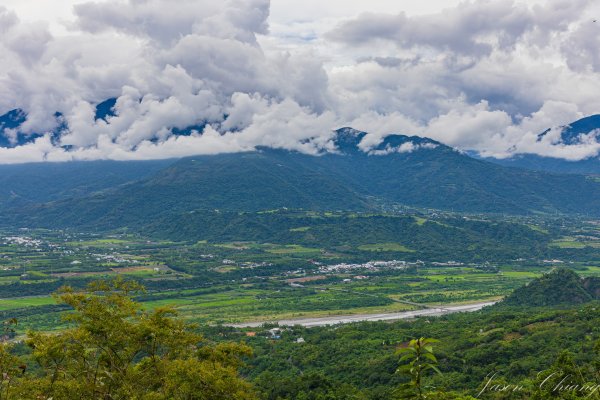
474	29
407	147
486	75
469	127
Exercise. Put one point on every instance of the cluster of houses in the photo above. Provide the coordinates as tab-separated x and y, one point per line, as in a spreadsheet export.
368	266
273	334
246	264
22	241
447	264
111	258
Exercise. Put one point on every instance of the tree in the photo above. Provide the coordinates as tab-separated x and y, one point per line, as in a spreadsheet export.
420	359
10	368
117	350
564	380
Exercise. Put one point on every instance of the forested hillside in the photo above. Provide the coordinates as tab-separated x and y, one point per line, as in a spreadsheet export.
400	171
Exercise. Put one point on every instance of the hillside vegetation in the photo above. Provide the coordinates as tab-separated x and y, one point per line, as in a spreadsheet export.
560	287
401	171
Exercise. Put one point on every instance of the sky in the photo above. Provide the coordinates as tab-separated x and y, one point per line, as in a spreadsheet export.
480	75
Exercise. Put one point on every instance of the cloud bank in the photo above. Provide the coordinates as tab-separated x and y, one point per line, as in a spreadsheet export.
486	75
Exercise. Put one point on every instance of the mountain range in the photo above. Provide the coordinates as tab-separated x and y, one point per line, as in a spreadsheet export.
583	130
401	170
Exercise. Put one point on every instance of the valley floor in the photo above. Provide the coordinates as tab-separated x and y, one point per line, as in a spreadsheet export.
317	269
346	319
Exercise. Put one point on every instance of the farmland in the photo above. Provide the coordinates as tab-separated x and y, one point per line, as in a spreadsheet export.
218	281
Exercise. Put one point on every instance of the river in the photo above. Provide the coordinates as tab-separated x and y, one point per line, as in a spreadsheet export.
346	319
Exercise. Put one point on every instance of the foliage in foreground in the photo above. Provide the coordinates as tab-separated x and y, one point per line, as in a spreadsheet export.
515	346
115	350
417	358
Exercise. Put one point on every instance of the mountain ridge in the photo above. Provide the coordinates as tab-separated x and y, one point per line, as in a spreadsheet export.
399	170
402	170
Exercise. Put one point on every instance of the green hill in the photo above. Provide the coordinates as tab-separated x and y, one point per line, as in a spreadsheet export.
559	287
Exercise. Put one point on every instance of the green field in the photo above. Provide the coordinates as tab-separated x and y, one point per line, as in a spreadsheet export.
313	264
420	221
291	249
568	244
10	304
385	247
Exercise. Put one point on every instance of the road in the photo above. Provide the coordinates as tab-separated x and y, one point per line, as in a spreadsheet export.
346	319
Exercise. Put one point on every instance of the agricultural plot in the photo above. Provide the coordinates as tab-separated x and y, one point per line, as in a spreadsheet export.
385	247
229	281
16	303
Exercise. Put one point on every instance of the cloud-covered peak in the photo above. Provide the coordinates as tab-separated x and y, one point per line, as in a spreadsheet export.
399	144
585	130
348	140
